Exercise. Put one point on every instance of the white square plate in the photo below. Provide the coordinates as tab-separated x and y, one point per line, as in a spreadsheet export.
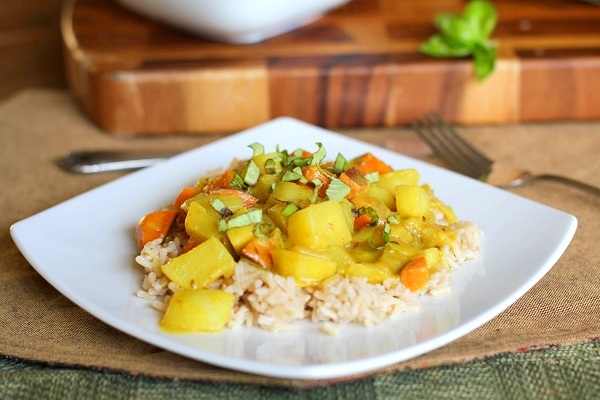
85	248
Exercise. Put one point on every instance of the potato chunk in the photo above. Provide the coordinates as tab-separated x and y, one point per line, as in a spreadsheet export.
198	310
411	200
200	224
304	268
319	226
200	266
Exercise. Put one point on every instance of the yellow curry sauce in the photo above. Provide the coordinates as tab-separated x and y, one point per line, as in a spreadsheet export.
299	216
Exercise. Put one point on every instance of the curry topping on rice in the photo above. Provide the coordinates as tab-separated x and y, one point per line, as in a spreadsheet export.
290	235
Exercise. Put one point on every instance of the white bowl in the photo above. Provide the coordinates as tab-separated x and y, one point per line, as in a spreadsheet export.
234	21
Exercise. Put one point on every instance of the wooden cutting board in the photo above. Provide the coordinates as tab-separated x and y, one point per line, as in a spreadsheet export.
359	66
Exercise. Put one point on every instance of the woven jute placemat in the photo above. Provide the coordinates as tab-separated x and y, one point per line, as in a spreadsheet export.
40	324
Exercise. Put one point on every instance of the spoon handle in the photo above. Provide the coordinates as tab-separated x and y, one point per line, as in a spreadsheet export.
88	162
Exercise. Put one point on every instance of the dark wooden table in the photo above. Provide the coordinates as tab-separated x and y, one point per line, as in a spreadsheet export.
30	45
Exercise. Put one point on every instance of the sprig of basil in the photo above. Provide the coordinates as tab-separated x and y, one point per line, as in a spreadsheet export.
466	35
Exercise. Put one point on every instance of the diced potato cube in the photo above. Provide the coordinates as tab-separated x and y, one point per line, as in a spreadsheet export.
239	237
291	191
199	224
261	160
262	189
411	201
433	256
390	180
234	203
364	200
383	195
275	214
197	310
200	266
319	226
304	268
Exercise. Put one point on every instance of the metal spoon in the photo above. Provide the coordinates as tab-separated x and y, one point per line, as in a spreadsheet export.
94	161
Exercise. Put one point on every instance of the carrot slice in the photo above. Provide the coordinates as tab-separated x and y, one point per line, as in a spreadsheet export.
190	245
259	251
362	220
312	172
222	181
247	199
155	225
368	163
186	193
355	180
415	274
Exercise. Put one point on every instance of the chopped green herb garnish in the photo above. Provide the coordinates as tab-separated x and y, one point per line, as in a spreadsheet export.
222	224
372	177
318	155
262	229
289	209
221	208
394	218
337	190
258	149
341	164
249	218
386	233
273	167
251	174
237	182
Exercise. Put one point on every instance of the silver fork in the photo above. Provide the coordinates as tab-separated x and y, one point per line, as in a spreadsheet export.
459	155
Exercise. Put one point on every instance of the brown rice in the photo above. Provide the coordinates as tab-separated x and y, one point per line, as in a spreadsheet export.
274	302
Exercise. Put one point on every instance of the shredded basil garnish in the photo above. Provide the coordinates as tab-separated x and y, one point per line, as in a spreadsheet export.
372	177
394	218
237	182
249	218
337	190
289	209
251	173
272	166
258	149
262	229
318	155
386	233
221	208
341	164
222	224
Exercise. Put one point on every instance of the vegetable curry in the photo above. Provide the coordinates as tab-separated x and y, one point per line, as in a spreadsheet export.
299	216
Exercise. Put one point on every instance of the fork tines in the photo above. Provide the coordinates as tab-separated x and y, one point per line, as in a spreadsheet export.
451	148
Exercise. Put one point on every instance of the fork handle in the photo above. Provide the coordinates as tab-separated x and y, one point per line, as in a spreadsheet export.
558	178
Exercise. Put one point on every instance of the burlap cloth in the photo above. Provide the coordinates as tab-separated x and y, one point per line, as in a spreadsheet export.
39	324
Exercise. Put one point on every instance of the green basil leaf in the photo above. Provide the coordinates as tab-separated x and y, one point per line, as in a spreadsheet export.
341	164
484	57
318	155
237	182
221	208
289	209
482	17
291	176
258	149
252	217
438	46
337	190
372	177
251	174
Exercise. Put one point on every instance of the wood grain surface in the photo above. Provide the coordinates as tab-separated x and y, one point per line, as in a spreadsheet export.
30	46
358	66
